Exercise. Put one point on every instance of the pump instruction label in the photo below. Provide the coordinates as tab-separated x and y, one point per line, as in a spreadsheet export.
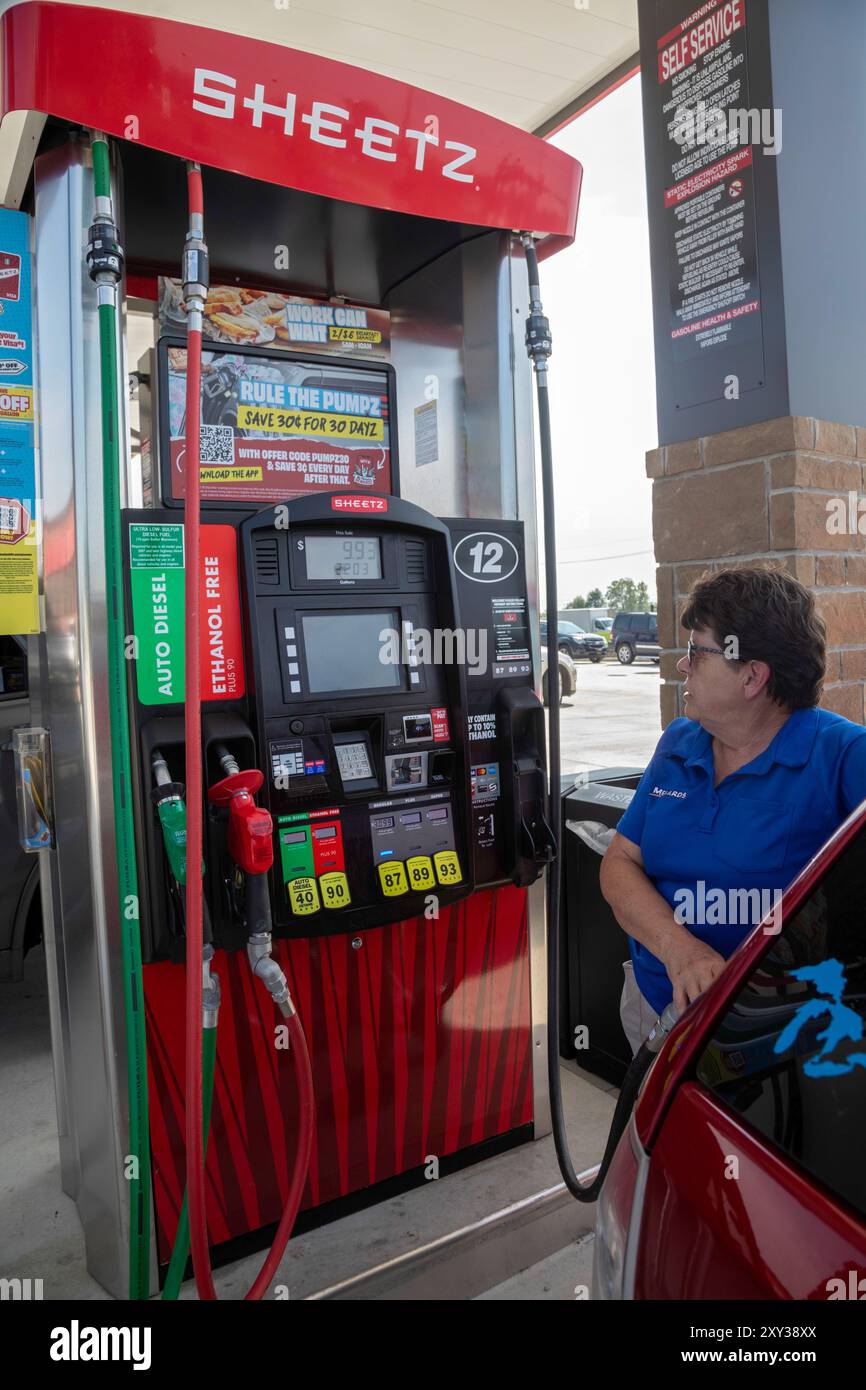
157	576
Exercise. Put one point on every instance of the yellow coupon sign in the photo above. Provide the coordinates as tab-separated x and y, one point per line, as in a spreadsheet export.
19	581
354	335
303	896
334	887
231	474
447	866
420	872
393	879
16	403
309	423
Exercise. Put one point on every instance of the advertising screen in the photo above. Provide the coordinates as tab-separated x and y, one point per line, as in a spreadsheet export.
275	427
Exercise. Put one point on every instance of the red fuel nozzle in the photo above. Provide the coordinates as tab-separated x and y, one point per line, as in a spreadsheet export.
251	829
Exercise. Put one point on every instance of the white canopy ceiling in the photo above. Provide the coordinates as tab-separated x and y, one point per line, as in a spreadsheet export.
521	60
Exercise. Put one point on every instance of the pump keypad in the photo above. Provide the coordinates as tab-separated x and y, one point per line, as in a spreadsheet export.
303	896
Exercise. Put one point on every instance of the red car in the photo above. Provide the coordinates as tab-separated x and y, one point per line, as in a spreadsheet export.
742	1174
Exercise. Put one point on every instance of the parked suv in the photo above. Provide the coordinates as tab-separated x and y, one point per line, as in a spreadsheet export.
636	634
576	643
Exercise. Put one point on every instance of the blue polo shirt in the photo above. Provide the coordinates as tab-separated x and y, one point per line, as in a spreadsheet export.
755	830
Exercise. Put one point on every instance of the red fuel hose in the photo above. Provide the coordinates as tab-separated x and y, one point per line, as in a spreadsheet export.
195	257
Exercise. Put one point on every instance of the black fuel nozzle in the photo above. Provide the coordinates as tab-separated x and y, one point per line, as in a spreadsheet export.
661	1028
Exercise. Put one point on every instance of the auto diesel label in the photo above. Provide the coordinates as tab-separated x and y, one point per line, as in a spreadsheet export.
157	571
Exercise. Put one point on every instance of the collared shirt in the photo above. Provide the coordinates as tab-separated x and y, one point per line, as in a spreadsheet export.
721	855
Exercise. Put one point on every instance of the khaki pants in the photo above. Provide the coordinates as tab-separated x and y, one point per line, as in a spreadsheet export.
636	1014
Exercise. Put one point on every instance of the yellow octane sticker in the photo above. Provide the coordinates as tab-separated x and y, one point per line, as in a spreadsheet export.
354	335
447	866
334	887
393	879
303	896
230	475
317	423
420	872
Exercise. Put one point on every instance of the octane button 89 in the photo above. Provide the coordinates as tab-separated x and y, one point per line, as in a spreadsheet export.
420	872
303	896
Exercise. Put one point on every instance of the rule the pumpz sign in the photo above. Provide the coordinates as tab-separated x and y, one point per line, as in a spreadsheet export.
270	112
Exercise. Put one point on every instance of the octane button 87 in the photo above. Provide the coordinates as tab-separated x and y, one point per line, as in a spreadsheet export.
392	877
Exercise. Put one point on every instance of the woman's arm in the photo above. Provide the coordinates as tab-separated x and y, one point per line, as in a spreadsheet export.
643	913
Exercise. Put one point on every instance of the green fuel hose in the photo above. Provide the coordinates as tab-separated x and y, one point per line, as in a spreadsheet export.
105	260
180	1253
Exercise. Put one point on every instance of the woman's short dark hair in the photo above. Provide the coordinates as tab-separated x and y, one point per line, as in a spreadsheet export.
772	616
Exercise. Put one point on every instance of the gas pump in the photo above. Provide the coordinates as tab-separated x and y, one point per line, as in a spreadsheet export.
361	605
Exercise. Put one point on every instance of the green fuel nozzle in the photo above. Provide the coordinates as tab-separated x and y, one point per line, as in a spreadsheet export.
171	809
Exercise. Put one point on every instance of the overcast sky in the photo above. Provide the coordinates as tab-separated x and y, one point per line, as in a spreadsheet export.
602	385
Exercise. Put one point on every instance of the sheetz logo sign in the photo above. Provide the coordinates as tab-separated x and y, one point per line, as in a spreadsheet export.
216	94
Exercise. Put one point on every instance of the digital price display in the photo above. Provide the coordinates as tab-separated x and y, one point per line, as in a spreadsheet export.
342	557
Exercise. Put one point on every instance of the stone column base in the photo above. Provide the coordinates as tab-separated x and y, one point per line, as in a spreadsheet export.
791	490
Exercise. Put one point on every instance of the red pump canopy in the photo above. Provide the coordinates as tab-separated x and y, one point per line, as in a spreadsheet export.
286	117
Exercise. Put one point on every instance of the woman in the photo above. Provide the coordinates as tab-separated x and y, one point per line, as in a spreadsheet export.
739	795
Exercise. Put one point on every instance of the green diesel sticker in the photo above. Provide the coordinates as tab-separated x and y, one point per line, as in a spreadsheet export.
157	585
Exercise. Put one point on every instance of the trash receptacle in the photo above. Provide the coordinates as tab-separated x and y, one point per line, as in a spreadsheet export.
592	944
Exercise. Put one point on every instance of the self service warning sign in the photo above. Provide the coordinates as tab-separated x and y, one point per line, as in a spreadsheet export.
157	577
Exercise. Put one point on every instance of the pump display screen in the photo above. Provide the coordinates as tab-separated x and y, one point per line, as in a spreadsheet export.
342	557
344	651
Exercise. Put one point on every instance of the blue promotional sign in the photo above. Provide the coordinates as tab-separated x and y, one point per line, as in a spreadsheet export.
19	582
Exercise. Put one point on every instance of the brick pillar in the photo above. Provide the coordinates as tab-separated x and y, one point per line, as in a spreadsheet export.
759	493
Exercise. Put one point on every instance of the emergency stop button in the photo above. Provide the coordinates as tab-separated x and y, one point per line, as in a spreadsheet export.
420	871
303	896
447	867
334	888
392	877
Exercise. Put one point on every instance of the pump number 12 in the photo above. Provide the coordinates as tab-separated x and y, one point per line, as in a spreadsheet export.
486	557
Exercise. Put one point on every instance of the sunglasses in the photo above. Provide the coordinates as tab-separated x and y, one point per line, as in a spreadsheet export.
693	650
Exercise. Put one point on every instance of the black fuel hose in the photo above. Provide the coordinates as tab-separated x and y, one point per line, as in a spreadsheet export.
538	346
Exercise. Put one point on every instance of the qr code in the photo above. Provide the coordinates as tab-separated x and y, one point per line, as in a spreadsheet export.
10	518
217	444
